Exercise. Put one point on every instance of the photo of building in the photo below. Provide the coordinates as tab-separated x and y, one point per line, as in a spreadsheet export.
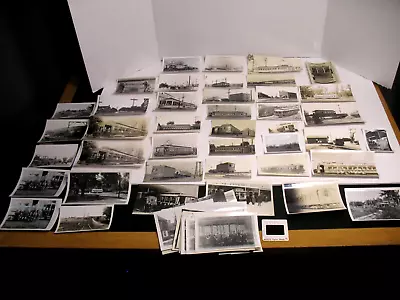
233	146
280	79
326	93
135	85
322	72
173	170
377	140
233	128
228	168
166	124
61	156
219	63
181	64
120	105
324	138
166	223
177	101
278	143
229	111
320	114
233	81
64	130
271	64
287	112
214	95
73	110
117	127
178	83
276	94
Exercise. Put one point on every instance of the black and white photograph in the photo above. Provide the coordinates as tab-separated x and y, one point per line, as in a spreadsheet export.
228	168
101	187
31	214
332	138
64	130
181	64
97	153
123	105
276	94
258	198
54	156
322	72
285	127
232	146
182	170
326	93
155	197
228	111
166	221
168	123
224	63
272	64
233	128
321	114
373	204
279	112
280	143
178	82
293	164
233	81
377	140
117	127
135	85
215	95
343	164
282	79
73	110
82	218
312	197
174	146
177	101
40	183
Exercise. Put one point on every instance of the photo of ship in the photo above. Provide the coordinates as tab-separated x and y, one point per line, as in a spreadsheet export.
174	146
218	63
233	128
287	112
186	123
285	79
122	105
293	164
326	93
178	83
224	81
341	138
233	146
276	94
229	111
227	95
331	113
135	85
272	64
181	64
176	101
232	168
322	72
173	171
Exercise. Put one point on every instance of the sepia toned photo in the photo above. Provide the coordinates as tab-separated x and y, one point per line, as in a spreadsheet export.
177	101
166	221
294	164
178	82
174	146
285	127
117	127
73	110
227	63
123	105
232	146
64	130
233	128
185	124
103	187
215	95
343	164
173	171
233	81
373	204
97	153
84	218
280	143
326	93
227	111
272	64
322	72
181	64
31	214
54	156
312	197
283	79
228	168
276	94
320	114
40	183
279	112
135	85
332	138
377	140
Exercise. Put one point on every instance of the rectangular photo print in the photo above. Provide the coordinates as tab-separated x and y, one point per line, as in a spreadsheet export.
322	72
276	94
312	197
332	138
326	93
135	85
215	95
181	170
166	221
279	112
272	64
233	128
281	79
228	168
277	127
377	140
174	146
123	105
73	110
280	143
373	204
294	164
181	64
224	63
186	123
232	146
54	156
177	102
64	130
31	214
84	218
178	82
233	81
227	111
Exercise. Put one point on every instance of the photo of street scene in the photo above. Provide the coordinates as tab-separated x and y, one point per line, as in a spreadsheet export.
135	85
103	187
322	72
326	93
320	114
169	124
228	168
233	128
279	143
293	164
279	112
123	105
232	146
220	63
272	64
233	81
57	156
377	140
181	64
173	171
276	94
117	127
332	138
73	110
64	130
281	79
178	82
215	95
177	101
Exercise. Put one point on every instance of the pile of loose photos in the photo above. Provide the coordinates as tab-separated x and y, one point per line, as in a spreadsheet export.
154	124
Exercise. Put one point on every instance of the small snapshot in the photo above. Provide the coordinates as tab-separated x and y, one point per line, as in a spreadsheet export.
174	146
40	183
326	93
232	146
173	171
73	110
227	111
312	197
276	94
220	63
85	218
322	72
280	143
228	168
373	204
184	124
181	64
97	153
343	164
54	156
233	128
279	112
121	105
135	85
321	114
102	187
117	127
166	223
31	214
285	127
294	164
233	81
285	79
377	140
215	95
64	130
332	138
178	82
271	64
177	102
